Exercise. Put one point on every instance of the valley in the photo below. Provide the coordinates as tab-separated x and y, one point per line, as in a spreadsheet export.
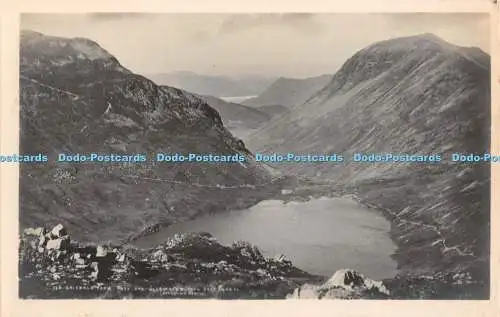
420	229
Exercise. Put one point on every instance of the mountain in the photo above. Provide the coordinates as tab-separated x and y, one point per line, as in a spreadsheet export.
238	119
289	92
415	95
76	97
274	110
219	86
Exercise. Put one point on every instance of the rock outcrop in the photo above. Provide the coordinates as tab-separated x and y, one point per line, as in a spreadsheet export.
188	265
344	284
196	265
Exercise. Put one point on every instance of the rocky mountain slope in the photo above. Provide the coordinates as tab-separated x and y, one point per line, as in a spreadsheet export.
77	98
273	110
219	86
289	92
415	95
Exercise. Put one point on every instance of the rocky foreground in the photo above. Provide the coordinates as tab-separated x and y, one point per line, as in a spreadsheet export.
195	265
187	266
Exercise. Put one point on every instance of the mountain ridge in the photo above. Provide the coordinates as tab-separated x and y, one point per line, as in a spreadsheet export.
217	86
240	120
289	92
406	95
76	98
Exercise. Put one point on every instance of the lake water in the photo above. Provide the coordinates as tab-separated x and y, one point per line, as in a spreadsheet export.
237	99
319	236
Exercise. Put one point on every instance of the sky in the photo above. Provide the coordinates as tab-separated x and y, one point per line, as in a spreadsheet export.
291	45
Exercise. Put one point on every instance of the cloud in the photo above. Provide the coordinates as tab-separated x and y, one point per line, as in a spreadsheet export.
467	29
110	16
304	22
288	44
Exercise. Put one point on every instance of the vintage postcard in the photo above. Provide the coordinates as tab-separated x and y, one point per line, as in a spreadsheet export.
182	157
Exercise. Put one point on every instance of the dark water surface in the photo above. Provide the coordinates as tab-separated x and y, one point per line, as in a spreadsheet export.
319	236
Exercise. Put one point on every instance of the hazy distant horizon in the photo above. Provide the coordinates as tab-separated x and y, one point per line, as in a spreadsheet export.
245	75
244	45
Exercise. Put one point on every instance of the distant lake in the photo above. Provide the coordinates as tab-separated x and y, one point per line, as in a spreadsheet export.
237	99
320	236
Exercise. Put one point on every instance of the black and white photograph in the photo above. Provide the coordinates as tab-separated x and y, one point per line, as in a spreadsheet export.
238	156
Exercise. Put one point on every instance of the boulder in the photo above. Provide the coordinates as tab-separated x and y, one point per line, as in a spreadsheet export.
58	244
160	256
42	241
101	252
257	255
245	252
350	279
249	251
56	255
262	272
283	261
34	232
280	258
345	278
80	261
304	292
95	270
58	231
120	258
86	251
34	244
344	284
